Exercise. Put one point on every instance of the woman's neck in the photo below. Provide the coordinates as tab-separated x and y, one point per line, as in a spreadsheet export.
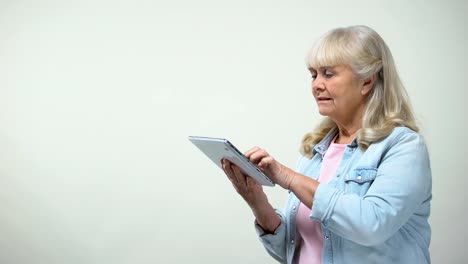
347	132
349	127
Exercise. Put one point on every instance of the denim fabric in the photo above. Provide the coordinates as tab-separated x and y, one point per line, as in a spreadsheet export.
375	209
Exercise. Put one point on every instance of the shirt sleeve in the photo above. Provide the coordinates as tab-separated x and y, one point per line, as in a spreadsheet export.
275	244
402	184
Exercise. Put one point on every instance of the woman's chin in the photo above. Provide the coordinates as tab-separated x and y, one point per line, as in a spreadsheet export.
324	112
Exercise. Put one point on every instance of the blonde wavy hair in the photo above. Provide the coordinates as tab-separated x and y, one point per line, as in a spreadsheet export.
387	106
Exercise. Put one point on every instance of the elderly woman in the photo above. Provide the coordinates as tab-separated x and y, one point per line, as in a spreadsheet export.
362	189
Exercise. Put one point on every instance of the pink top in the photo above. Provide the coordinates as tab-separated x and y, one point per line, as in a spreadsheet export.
310	231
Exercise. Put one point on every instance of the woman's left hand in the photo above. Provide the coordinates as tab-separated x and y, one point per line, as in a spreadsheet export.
276	171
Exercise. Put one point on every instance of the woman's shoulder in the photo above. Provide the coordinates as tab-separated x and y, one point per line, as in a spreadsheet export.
403	138
402	144
405	134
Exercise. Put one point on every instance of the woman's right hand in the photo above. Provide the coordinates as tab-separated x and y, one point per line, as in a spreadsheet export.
245	185
253	194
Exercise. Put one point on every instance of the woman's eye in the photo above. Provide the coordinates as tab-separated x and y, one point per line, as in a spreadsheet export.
328	74
314	76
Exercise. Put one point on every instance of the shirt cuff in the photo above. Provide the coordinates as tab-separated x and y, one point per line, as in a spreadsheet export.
280	229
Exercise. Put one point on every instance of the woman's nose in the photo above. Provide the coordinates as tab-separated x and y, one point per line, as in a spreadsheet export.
317	84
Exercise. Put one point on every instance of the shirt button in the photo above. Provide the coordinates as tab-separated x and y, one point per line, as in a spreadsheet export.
327	237
294	208
292	241
359	177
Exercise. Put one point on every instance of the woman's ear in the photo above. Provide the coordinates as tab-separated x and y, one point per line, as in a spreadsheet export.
368	84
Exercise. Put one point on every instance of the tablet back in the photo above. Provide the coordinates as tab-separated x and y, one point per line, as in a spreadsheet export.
219	148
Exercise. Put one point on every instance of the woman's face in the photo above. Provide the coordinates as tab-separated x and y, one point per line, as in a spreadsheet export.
338	92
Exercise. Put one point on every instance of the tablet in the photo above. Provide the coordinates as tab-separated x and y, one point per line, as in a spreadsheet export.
219	148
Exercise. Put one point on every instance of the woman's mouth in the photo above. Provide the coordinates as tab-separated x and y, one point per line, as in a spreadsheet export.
323	99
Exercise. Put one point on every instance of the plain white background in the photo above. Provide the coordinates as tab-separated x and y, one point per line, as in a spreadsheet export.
97	99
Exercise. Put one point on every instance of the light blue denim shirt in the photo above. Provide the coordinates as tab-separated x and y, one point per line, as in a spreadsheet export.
375	209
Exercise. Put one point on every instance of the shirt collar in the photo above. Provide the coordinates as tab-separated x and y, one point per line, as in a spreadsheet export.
323	145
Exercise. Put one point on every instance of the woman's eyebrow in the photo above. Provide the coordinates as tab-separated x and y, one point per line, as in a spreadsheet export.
323	68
